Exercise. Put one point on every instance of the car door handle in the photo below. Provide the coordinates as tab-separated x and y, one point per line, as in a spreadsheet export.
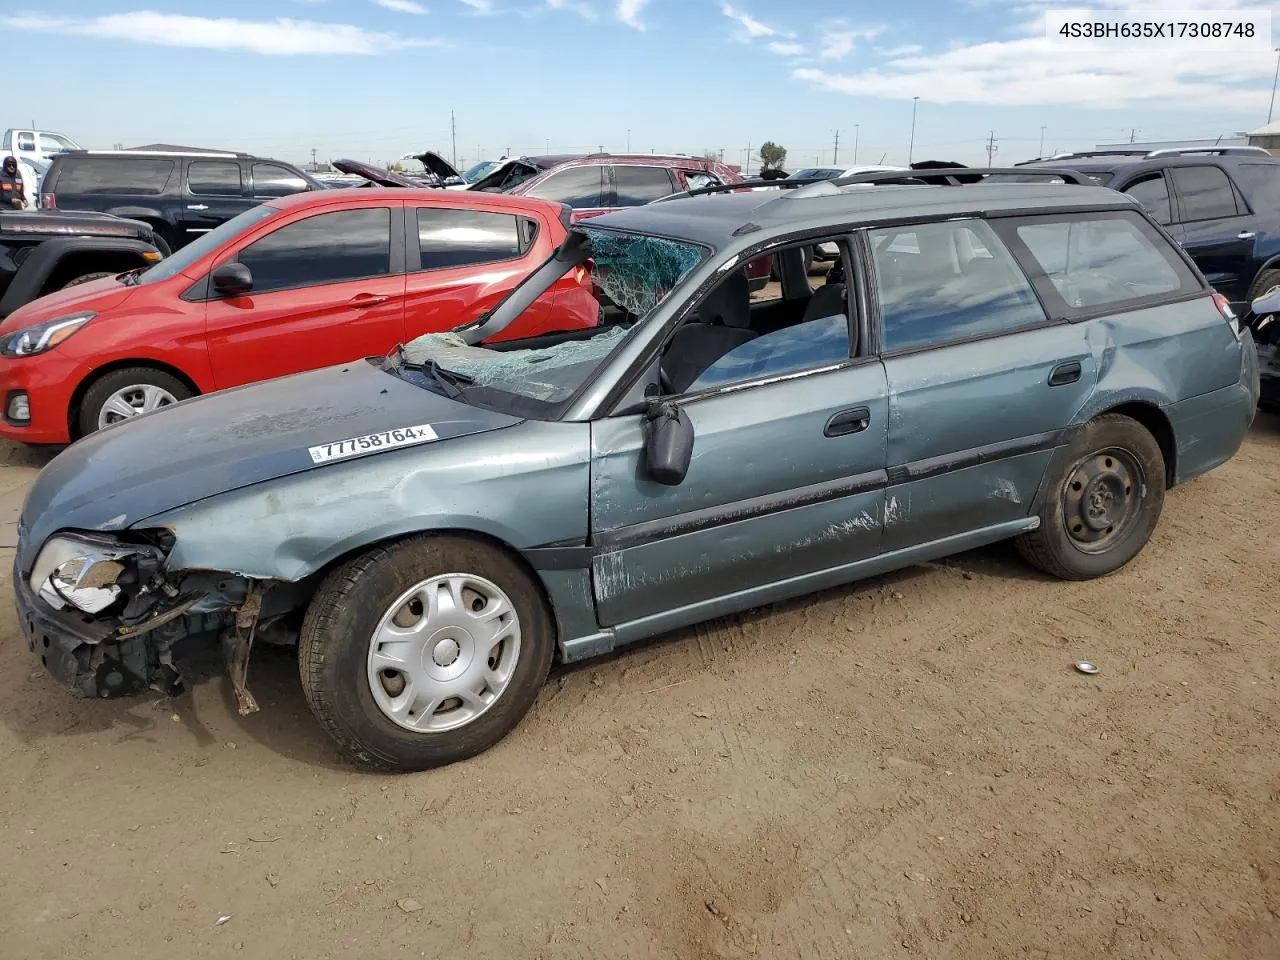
1245	235
848	421
367	300
197	206
1064	373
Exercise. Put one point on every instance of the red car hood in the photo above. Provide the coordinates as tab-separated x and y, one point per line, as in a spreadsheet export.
96	295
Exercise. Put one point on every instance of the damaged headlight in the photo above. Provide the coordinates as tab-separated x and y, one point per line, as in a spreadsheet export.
88	573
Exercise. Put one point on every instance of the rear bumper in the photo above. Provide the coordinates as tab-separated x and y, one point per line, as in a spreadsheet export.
1210	428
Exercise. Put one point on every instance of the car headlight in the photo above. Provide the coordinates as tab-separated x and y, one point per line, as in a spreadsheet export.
43	336
85	573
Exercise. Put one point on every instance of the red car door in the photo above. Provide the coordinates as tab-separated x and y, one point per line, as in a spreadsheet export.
328	288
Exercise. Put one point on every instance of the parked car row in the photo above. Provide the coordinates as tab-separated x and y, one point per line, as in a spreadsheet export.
611	440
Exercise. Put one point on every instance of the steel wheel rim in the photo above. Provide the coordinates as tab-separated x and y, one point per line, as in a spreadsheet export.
133	401
1101	499
443	653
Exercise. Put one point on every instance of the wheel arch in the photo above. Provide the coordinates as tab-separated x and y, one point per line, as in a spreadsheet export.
77	395
1156	423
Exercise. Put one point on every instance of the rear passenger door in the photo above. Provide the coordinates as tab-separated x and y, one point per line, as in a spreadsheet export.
1216	227
215	192
981	380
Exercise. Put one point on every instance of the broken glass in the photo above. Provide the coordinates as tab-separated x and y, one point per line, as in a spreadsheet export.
636	271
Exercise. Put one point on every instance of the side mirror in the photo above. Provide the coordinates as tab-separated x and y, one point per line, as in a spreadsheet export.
1269	302
232	280
669	443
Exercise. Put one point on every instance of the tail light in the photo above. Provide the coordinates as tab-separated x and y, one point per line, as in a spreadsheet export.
1229	315
48	201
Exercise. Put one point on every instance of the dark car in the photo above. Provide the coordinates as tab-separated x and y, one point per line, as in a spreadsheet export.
1221	204
46	250
181	195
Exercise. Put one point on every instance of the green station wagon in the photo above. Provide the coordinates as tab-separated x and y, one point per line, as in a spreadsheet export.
1035	361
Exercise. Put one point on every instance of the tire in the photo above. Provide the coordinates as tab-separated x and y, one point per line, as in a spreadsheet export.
337	651
145	381
1262	283
1110	454
86	278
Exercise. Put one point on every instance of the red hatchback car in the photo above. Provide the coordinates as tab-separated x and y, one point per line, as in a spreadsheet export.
297	283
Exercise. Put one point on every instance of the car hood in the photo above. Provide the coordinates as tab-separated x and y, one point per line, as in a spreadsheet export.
383	178
437	164
213	444
96	295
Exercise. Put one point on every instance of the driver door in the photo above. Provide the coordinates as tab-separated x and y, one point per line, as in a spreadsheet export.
788	470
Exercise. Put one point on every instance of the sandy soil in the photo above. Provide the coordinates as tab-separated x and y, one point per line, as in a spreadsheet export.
906	767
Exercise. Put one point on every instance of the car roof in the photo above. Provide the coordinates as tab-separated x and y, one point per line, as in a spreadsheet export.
500	202
717	218
1102	162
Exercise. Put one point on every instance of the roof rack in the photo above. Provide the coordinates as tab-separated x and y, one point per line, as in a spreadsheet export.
1221	151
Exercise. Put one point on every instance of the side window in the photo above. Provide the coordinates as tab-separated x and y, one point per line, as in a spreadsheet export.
214	178
1105	259
328	248
271	180
129	176
640	185
460	238
1260	183
1153	193
58	143
27	142
941	282
579	187
729	338
1204	193
697	179
8	140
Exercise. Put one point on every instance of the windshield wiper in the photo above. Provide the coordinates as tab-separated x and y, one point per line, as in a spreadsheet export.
450	381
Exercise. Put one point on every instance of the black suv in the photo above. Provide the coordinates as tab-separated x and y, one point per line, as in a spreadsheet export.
1221	204
182	195
46	250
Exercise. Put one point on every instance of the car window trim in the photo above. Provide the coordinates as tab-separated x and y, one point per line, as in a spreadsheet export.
1063	311
413	242
1049	321
397	248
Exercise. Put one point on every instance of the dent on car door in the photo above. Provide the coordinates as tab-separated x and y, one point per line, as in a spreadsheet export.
786	477
981	384
327	289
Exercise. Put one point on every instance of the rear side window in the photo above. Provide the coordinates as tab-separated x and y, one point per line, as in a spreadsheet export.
328	248
460	238
27	142
272	180
639	185
579	187
1105	259
1204	193
134	176
1153	193
942	282
1260	183
214	178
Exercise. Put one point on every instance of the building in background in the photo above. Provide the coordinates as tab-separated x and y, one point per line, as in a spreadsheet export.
1267	137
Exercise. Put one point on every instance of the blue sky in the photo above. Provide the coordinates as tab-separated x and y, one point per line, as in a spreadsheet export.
375	79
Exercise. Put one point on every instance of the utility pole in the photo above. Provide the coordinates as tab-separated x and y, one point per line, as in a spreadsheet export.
746	170
835	153
912	146
991	147
855	141
1133	132
453	134
1273	86
628	140
313	158
1041	153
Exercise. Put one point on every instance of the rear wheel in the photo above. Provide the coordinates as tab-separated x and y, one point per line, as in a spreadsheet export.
124	394
1102	502
424	652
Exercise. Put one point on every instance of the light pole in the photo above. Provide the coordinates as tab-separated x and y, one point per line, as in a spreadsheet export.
1272	108
628	140
1041	153
912	146
855	142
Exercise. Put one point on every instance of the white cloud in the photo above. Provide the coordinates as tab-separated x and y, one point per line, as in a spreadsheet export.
751	27
903	51
281	36
402	6
1031	70
838	40
628	11
785	48
583	10
481	8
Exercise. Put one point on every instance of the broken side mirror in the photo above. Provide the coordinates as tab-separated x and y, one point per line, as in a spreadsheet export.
1269	302
668	442
232	280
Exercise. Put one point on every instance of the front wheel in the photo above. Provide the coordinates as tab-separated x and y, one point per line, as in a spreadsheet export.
124	394
424	652
1101	502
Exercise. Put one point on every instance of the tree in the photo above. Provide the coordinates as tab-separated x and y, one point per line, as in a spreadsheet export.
772	156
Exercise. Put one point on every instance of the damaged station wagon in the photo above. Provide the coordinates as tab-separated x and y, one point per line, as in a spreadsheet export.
433	528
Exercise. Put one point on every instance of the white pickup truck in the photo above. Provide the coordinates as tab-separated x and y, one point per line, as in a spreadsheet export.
41	145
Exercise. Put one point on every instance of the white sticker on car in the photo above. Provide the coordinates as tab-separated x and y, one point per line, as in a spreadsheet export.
371	443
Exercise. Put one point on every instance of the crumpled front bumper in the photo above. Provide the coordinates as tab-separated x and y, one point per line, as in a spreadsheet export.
81	653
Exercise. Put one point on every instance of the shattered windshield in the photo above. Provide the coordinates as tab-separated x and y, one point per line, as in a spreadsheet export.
478	170
630	273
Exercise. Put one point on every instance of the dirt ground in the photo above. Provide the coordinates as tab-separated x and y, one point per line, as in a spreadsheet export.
905	767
